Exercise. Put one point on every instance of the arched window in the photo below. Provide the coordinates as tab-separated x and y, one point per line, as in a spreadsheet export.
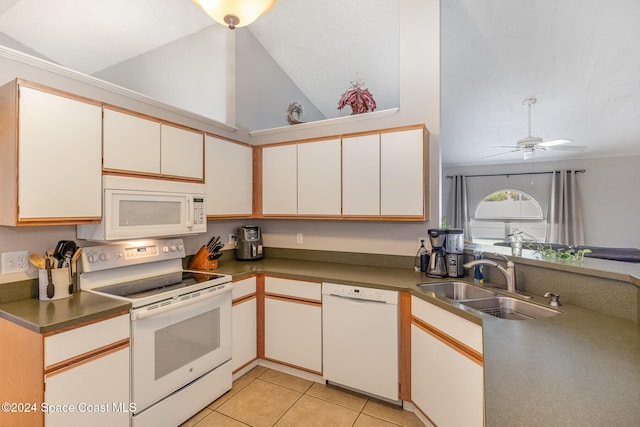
503	211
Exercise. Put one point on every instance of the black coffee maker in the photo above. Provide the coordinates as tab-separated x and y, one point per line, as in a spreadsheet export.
437	261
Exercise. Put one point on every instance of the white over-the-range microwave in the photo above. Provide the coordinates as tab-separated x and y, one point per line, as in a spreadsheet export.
139	208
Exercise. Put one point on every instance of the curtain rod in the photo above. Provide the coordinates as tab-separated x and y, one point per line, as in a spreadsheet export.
519	173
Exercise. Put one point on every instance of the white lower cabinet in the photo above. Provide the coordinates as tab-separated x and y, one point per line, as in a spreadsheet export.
244	323
446	366
98	389
293	323
87	375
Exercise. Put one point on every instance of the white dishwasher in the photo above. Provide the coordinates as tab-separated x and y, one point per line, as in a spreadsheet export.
360	336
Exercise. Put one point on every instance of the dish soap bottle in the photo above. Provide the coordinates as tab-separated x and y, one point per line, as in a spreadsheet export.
478	276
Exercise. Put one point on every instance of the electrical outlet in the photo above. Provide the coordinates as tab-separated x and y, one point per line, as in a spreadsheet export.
232	241
15	262
423	240
299	238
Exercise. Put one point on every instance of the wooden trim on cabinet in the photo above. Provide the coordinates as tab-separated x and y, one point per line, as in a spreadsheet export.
147	175
87	357
58	92
243	298
21	373
450	341
244	365
426	169
257	182
405	346
89	322
297	300
280	362
260	315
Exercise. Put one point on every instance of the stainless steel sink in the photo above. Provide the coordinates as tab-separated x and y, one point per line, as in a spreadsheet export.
456	291
510	308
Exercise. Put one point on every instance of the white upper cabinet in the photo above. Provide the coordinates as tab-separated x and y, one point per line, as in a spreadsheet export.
139	145
280	180
130	143
319	178
50	157
403	173
229	177
361	175
181	152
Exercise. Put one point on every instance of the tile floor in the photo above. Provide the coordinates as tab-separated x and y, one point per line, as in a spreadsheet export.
265	397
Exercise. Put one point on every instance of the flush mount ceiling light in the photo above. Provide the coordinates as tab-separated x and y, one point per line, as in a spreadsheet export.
235	13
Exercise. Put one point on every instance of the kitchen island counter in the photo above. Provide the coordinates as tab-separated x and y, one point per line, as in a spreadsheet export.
578	368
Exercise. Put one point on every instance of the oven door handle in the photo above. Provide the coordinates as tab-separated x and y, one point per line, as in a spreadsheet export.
142	314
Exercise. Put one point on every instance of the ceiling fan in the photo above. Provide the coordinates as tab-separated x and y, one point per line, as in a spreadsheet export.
530	143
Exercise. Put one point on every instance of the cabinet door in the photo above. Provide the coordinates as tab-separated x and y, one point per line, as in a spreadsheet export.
453	345
60	156
293	333
319	177
97	388
402	173
293	322
244	315
279	180
229	177
131	143
361	175
181	152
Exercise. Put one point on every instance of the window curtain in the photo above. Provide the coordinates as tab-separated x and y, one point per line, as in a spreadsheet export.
458	212
564	220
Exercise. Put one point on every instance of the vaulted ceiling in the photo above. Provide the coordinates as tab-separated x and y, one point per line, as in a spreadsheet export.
579	58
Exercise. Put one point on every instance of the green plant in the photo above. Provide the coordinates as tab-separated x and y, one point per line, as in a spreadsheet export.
568	255
547	251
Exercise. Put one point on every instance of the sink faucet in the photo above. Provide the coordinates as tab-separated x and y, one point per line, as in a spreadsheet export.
508	272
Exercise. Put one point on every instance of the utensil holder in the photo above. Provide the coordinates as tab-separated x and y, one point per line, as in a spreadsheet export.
201	260
60	279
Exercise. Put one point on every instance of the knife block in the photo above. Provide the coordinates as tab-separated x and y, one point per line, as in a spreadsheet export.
201	260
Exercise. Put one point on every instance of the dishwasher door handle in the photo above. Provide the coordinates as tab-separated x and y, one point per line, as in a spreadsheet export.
360	300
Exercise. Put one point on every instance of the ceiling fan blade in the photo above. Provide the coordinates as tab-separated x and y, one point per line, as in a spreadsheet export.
568	147
555	142
500	154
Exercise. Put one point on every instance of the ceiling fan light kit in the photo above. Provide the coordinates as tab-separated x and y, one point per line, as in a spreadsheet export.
530	143
235	13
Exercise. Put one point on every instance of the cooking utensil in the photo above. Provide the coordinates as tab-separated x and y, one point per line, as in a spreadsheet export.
51	290
38	261
74	269
58	252
68	249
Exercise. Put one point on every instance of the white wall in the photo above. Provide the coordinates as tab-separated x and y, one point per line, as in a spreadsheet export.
180	74
608	189
419	103
260	78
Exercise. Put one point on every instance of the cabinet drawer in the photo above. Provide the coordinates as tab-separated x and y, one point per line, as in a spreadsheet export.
243	288
455	326
294	288
68	344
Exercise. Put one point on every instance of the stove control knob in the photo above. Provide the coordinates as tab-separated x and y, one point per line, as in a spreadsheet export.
180	248
165	249
91	258
104	257
172	248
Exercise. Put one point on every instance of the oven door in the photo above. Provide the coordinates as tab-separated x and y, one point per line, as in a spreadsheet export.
172	346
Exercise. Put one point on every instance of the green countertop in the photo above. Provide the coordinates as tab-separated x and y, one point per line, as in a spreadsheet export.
578	368
48	316
581	368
